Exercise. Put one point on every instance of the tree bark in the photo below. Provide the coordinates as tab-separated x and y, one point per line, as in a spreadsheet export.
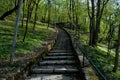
117	53
16	32
35	17
27	21
93	41
49	12
97	21
22	22
70	12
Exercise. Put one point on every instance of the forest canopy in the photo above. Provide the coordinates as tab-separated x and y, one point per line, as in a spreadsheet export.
95	23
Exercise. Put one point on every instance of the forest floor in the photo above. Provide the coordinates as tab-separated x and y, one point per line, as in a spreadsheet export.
99	56
24	50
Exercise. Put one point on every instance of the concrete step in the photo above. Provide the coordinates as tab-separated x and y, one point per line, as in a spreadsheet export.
59	51
58	58
51	77
59	54
57	62
54	70
55	66
58	48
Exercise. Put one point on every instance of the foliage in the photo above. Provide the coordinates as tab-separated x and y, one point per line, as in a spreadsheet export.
74	13
33	40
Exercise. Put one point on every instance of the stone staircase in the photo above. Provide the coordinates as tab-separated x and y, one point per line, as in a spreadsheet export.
58	64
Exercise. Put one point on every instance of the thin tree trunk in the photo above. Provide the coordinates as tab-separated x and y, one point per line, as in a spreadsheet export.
44	16
23	15
31	10
49	12
35	17
70	12
27	21
16	32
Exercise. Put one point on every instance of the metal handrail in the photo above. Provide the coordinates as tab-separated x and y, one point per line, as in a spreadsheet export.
99	72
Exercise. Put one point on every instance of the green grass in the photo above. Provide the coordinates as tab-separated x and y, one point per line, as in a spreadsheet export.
99	56
33	40
103	47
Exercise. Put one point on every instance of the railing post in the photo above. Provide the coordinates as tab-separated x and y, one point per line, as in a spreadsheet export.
83	60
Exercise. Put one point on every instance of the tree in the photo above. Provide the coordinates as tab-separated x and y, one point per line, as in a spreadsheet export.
23	15
29	13
36	10
100	8
49	11
95	23
92	22
16	31
116	61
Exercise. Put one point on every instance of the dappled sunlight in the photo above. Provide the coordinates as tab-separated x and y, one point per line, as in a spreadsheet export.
33	40
28	27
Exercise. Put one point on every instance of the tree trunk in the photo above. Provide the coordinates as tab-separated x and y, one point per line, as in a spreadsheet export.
27	21
16	32
23	15
117	53
91	33
44	16
97	21
31	10
93	24
70	12
49	12
91	15
35	17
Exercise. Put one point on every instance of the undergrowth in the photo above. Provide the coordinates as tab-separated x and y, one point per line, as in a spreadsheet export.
99	56
33	40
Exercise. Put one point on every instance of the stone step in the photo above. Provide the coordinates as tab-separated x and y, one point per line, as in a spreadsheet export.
59	51
54	70
55	66
58	48
51	77
57	62
59	54
58	58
